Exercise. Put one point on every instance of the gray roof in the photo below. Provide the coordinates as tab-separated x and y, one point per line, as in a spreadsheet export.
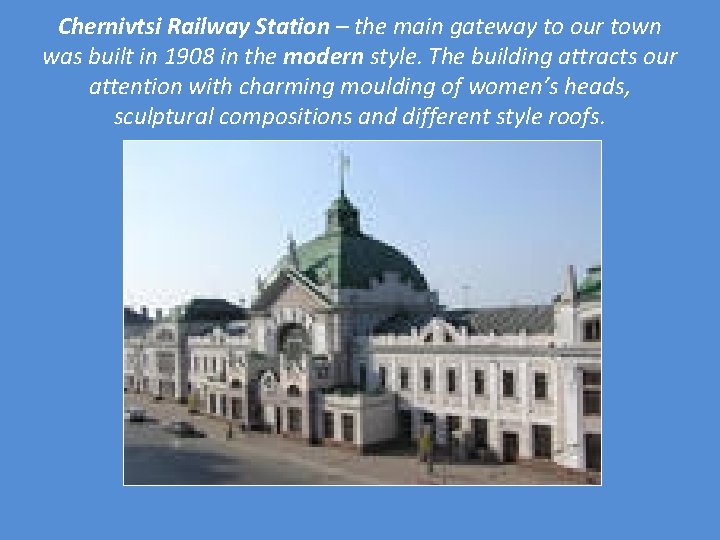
537	319
231	328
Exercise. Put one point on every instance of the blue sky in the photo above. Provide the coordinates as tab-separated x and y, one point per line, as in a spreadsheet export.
204	218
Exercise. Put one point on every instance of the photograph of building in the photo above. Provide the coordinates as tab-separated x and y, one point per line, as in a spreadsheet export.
344	343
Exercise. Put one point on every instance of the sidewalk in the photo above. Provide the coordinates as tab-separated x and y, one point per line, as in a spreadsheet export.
357	469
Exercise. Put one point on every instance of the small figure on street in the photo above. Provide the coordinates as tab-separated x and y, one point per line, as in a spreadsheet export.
426	453
229	431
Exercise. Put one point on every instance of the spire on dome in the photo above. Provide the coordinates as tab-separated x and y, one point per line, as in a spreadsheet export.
343	166
342	216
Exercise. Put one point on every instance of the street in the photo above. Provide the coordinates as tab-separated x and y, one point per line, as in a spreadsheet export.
153	456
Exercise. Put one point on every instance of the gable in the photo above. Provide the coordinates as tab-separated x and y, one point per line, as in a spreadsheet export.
288	291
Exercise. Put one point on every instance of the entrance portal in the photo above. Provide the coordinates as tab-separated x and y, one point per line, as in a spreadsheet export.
510	446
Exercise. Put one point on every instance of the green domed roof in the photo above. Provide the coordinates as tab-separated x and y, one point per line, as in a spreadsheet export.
346	258
591	286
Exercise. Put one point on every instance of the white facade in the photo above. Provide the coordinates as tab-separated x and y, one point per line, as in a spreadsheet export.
358	352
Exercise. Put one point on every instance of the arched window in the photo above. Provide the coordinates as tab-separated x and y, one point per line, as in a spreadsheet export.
293	341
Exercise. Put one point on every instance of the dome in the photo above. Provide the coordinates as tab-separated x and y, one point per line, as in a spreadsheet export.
591	286
346	258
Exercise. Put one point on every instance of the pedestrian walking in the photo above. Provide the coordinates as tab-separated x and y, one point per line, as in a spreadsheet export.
426	451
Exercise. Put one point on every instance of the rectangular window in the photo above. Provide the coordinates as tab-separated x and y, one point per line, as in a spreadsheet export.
329	425
195	364
404	378
382	372
204	364
451	381
236	408
591	402
540	385
214	364
591	378
542	441
348	430
223	405
508	382
427	380
234	383
294	416
213	405
479	432
591	330
363	377
479	382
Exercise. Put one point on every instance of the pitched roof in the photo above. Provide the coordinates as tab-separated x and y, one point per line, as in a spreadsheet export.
537	319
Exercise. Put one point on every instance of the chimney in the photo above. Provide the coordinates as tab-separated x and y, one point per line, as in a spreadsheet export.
569	284
144	311
158	313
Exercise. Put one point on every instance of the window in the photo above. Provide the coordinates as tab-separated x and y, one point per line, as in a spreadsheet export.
427	380
195	364
348	431
213	406
508	382
591	378
214	364
294	416
204	364
542	441
591	393
236	408
223	405
591	402
479	432
235	383
540	385
383	377
293	391
451	381
479	382
363	376
591	330
329	425
404	378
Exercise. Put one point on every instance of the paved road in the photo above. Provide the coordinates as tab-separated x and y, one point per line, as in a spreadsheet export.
153	456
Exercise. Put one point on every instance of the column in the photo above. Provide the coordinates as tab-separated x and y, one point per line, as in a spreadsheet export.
525	435
494	427
574	444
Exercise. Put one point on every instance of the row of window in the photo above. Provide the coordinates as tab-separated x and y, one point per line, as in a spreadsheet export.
508	381
214	364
